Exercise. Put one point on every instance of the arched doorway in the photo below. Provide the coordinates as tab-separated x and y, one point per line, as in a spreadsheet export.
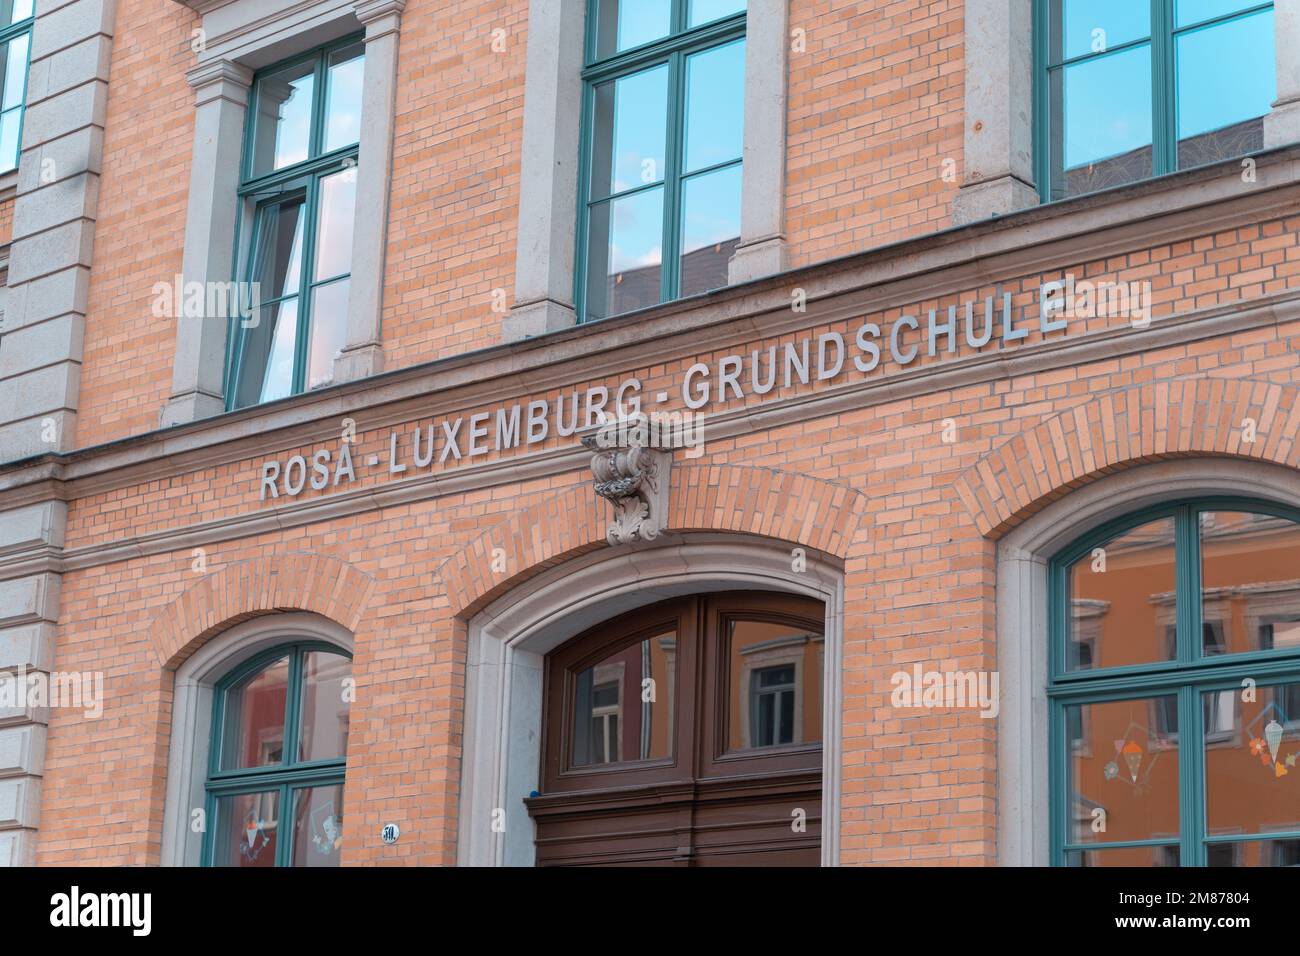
686	733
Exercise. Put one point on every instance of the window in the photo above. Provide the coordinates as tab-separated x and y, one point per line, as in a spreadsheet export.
1129	89
663	124
711	705
275	774
298	196
16	19
1175	740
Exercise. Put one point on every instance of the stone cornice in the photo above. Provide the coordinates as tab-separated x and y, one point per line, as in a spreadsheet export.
1036	240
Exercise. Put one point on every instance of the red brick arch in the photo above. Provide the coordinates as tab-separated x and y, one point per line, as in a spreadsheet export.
1125	428
241	590
805	511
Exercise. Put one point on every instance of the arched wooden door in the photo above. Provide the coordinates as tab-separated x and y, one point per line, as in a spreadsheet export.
687	733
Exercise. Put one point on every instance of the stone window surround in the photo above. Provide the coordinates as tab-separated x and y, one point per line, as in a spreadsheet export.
191	725
998	140
1023	556
546	243
242	37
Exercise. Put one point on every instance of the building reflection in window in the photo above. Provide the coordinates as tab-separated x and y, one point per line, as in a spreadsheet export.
623	705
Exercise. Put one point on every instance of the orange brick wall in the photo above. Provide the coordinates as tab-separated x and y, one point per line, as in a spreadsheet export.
6	222
875	108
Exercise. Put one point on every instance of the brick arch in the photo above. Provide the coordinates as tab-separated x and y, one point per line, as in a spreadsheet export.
235	592
805	511
1125	428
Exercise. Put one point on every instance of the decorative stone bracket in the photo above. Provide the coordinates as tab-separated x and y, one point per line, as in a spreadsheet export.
635	480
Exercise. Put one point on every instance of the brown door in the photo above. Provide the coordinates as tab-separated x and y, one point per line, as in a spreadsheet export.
686	734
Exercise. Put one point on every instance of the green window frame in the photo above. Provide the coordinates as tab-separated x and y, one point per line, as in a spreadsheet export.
263	195
671	51
286	779
15	56
1185	678
1166	34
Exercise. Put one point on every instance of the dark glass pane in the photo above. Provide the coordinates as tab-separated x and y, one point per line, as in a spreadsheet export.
1226	83
277	260
715	106
323	715
1188	12
1280	851
1251	751
282	122
1122	607
253	735
1101	122
623	706
626	243
1123	772
318	826
266	369
631	124
774	680
710	229
1094	26
624	24
329	319
706	11
1250	580
247	827
1125	856
345	71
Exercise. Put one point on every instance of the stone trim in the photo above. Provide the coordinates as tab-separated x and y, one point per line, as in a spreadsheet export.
190	729
509	638
1023	556
1124	428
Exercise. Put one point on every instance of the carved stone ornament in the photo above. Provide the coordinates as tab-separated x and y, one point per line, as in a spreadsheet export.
635	480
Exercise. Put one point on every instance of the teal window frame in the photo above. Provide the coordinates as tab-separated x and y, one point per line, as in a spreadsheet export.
672	50
258	193
7	35
286	778
1187	676
1164	81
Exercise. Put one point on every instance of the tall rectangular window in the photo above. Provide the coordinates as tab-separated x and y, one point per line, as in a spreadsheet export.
16	19
1129	89
298	200
663	125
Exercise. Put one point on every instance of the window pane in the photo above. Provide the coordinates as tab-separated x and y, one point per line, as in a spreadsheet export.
247	827
1125	856
329	318
277	261
715	100
343	96
338	200
318	826
631	126
710	229
17	10
253	735
706	11
1101	122
1247	766
323	718
1123	772
15	71
1122	609
282	124
266	372
623	24
623	706
1198	11
1250	579
1094	26
774	680
10	124
1282	851
1226	83
626	243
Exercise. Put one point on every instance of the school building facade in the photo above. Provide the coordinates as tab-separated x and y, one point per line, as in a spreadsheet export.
690	432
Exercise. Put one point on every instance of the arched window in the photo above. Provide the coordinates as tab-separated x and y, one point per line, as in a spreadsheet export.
1175	689
686	733
274	786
